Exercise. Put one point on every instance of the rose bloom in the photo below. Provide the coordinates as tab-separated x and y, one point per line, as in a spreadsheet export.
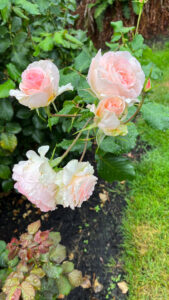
39	85
76	184
108	116
116	74
35	179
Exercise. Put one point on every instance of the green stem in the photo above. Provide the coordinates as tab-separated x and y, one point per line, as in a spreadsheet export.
139	17
85	146
70	147
75	140
136	112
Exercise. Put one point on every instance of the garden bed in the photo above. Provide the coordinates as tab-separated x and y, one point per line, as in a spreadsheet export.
91	234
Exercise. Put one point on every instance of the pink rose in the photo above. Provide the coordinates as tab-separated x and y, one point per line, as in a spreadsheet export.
76	184
116	74
114	104
109	115
36	179
39	85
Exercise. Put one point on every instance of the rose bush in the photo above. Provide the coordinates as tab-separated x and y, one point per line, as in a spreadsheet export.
74	184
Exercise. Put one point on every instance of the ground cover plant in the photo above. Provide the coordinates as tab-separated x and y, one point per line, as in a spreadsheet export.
36	267
145	224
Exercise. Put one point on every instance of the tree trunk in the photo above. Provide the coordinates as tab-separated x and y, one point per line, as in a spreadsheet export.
154	21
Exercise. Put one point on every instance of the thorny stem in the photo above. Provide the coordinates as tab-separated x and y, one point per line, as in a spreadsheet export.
85	146
65	115
136	112
72	69
75	140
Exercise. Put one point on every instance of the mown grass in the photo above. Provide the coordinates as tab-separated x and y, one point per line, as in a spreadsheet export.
145	226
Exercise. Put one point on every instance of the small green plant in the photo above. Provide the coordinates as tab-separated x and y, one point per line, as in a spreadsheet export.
97	208
35	266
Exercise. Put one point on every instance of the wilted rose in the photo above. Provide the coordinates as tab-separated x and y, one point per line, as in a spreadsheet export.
36	179
39	85
76	184
116	74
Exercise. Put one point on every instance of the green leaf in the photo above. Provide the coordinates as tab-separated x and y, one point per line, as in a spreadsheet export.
156	115
24	113
39	123
6	110
67	266
5	12
3	3
118	27
52	270
8	141
13	127
20	38
136	7
55	237
16	24
5	172
137	42
75	278
100	9
43	5
13	71
4	258
120	144
2	246
29	7
6	87
47	44
34	281
12	263
63	285
83	60
5	43
112	168
28	292
7	185
19	12
72	39
57	254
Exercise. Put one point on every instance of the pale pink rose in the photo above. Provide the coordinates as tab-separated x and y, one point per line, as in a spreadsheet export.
114	104
39	85
35	179
116	74
109	115
76	184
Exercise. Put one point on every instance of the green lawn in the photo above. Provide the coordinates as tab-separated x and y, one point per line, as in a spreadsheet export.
145	226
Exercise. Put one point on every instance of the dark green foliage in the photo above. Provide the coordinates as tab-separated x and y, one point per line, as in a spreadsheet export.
112	168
